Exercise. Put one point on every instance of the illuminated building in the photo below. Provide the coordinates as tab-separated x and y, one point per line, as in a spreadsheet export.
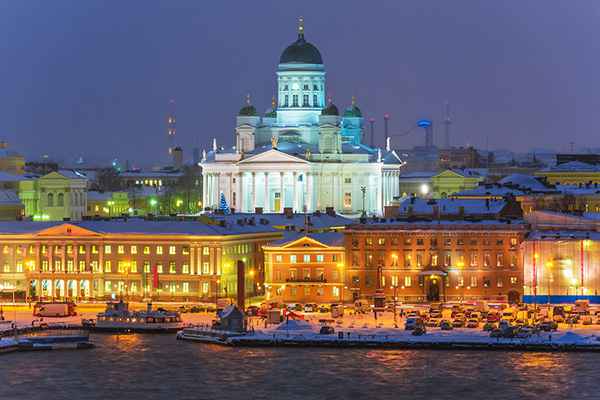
55	196
435	260
136	259
107	204
451	181
10	161
303	152
305	269
571	173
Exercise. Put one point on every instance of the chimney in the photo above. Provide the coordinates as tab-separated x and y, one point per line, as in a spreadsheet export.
330	211
258	210
288	212
487	203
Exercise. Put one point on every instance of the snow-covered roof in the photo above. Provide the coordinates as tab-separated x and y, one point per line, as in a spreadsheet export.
412	225
417	174
489	190
315	221
578	190
550	235
7	177
9	197
525	182
72	174
98	196
327	238
151	174
451	206
138	226
573	166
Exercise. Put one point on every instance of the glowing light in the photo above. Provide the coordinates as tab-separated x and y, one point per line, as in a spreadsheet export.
153	202
424	189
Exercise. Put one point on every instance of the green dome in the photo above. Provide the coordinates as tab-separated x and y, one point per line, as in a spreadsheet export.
301	51
331	109
353	111
248	111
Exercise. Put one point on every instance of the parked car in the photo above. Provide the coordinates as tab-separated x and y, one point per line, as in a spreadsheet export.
310	307
433	322
458	323
324	308
472	323
327	330
445	325
489	326
548	326
252	311
493	317
586	320
412	322
419	330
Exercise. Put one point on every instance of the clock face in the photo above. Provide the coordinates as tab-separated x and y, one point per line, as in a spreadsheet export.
295	86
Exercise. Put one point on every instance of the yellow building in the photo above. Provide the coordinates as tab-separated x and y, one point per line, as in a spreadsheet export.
107	204
11	161
305	269
452	181
571	173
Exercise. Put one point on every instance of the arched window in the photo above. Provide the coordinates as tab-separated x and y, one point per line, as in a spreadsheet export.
50	199
61	200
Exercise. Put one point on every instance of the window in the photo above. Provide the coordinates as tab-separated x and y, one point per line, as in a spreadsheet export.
499	283
50	199
292	272
513	242
305	101
81	266
70	266
419	258
473	242
81	249
420	242
473	281
107	249
513	259
460	281
286	101
159	268
347	200
407	281
369	242
94	249
205	287
133	249
185	287
295	100
487	242
121	267
305	87
473	260
407	241
69	249
447	259
447	242
107	286
394	260
57	265
172	250
315	101
394	280
6	250
293	259
306	258
107	266
513	280
499	242
20	266
133	267
146	267
487	259
407	259
320	258
433	243
434	259
95	266
44	249
159	250
185	269
381	241
306	273
460	242
172	267
307	290
61	200
278	258
499	260
205	251
185	250
205	268
146	249
320	291
120	249
335	291
315	87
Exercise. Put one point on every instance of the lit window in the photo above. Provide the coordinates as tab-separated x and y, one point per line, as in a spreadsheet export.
473	281
499	282
293	259
205	268
185	269
20	266
172	250
6	267
205	287
205	251
70	266
348	200
159	268
499	260
159	250
81	249
133	249
185	250
335	291
460	281
172	268
320	258
407	281
133	267
186	287
94	249
278	258
121	249
146	249
306	258
513	280
107	266
107	249
147	267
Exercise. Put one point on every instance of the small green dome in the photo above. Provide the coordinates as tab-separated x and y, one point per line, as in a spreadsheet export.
331	109
353	111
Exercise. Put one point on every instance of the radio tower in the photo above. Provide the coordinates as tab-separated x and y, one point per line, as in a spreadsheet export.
447	123
171	125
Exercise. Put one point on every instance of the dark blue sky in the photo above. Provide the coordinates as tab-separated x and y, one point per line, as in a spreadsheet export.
93	78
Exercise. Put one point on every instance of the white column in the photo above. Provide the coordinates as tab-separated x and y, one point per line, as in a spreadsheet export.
204	189
253	192
379	206
309	181
266	205
239	201
281	192
294	193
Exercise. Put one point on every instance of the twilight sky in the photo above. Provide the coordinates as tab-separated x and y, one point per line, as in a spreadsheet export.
94	77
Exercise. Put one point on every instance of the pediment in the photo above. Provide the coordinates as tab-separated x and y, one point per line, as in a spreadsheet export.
67	230
305	242
449	174
273	156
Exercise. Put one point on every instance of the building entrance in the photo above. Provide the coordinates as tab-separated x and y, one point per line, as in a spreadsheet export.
433	290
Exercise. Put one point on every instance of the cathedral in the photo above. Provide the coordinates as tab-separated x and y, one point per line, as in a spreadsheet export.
302	154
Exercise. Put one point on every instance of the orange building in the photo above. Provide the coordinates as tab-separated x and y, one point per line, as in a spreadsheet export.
136	259
435	261
305	269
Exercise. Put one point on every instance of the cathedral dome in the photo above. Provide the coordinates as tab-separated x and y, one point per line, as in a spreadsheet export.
301	51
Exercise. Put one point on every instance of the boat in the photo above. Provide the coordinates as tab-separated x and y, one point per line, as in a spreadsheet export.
231	323
118	318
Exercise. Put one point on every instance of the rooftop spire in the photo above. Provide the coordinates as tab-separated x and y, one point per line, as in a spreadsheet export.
301	28
248	99
329	100
353	101
273	103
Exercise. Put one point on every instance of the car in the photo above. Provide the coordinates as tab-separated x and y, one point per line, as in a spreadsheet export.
558	318
445	325
310	307
548	326
419	330
489	326
472	323
195	309
458	323
433	323
435	314
493	317
327	330
324	308
412	322
524	332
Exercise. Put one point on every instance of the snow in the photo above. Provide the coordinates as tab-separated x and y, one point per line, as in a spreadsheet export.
452	206
294	325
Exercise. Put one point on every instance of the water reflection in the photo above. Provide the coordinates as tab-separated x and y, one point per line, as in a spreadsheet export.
161	367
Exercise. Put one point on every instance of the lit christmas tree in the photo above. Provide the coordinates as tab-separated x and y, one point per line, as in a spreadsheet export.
223	206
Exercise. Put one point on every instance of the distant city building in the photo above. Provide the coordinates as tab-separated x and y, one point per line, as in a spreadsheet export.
11	207
133	259
451	181
305	269
459	157
435	261
593	159
571	173
166	177
11	161
56	196
107	204
303	153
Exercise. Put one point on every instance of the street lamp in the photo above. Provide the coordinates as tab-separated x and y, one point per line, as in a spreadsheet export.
363	190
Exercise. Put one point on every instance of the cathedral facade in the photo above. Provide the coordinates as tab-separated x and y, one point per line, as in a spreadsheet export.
302	154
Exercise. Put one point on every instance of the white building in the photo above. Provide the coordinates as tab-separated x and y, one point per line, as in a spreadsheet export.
302	152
